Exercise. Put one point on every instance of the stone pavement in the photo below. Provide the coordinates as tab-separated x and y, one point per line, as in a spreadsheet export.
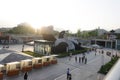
79	71
86	71
18	47
78	74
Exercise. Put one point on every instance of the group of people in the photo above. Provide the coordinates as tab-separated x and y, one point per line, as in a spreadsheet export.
6	46
81	59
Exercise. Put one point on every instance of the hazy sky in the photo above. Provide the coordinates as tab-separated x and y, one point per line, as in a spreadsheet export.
62	14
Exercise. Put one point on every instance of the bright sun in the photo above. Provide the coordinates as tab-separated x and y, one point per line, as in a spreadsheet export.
35	25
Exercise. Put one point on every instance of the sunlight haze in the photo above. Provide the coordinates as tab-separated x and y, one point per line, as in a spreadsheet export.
62	14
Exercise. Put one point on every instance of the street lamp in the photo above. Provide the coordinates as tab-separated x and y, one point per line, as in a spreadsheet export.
23	47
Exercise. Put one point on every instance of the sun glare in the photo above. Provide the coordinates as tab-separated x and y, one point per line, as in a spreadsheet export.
35	25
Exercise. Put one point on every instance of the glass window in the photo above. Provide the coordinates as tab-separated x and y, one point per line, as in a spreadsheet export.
29	63
39	61
118	47
17	66
47	59
118	42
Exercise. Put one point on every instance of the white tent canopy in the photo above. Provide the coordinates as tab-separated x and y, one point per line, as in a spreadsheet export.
95	46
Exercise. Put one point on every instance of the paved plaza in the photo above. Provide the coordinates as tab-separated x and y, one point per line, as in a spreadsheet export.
18	47
79	71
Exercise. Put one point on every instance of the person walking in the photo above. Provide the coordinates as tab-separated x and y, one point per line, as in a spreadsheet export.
23	48
95	53
102	52
85	60
75	58
68	72
25	76
70	77
80	59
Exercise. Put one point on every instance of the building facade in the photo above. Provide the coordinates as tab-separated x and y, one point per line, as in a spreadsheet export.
111	41
43	47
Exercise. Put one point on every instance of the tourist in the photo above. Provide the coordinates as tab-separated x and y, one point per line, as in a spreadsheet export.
68	72
7	46
70	77
80	59
102	52
25	76
75	58
23	48
86	60
83	59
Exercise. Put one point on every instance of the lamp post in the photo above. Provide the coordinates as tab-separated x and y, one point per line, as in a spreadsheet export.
23	47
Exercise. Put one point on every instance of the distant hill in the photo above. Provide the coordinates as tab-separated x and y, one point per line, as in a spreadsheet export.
117	30
101	31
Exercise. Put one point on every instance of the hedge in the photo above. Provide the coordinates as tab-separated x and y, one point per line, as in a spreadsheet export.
60	55
32	54
65	54
105	68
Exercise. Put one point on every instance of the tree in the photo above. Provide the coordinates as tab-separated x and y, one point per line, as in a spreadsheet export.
60	48
85	34
93	33
23	28
78	33
69	33
49	37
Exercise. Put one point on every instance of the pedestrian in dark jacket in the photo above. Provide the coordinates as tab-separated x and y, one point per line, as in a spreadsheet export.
86	60
75	58
70	77
83	59
25	76
80	59
68	72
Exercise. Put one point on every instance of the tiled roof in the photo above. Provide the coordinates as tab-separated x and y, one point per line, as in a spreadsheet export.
2	51
12	56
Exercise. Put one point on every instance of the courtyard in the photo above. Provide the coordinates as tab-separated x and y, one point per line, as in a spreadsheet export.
79	71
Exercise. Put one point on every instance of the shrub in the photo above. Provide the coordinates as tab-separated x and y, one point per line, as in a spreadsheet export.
105	68
32	53
60	55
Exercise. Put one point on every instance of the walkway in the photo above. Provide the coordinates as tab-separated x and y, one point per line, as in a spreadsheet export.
85	71
58	71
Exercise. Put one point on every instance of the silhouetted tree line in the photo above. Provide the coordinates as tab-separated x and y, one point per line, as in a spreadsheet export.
87	34
22	28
